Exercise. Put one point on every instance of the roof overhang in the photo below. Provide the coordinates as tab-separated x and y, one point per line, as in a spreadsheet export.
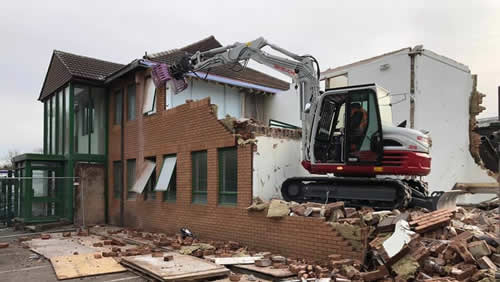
234	82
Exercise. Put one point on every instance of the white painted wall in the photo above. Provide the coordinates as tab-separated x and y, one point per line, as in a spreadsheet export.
227	99
442	95
274	161
283	106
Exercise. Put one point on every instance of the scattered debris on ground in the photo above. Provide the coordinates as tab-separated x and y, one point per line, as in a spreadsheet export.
415	244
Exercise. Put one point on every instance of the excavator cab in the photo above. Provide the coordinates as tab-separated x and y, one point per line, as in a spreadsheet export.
348	131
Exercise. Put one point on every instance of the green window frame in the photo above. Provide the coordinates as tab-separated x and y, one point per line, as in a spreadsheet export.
131	102
131	167
199	177
117	179
149	190
170	195
118	107
228	176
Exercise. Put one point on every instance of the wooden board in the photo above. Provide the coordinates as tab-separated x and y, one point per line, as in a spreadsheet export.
268	270
75	266
234	260
182	267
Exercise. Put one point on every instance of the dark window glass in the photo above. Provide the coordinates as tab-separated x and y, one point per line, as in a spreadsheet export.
199	176
228	176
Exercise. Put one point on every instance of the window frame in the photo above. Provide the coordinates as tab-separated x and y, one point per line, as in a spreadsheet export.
196	158
152	110
223	190
131	176
131	108
149	193
118	111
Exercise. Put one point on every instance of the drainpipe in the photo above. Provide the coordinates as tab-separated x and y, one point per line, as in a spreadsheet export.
417	50
122	157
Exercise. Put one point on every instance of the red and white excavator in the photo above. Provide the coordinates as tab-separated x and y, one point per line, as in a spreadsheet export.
348	139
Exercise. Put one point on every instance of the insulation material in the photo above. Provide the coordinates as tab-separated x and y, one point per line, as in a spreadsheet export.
140	183
166	173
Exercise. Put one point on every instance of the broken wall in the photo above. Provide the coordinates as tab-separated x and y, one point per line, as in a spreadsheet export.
443	90
284	106
193	127
274	160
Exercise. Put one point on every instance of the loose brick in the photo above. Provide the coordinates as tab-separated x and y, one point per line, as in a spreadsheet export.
485	263
479	249
263	262
45	236
168	258
97	256
98	244
109	254
4	245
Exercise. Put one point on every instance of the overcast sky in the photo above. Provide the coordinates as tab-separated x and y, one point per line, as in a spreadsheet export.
335	32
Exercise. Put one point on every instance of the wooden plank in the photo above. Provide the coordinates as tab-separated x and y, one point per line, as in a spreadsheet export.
234	260
268	270
182	267
67	267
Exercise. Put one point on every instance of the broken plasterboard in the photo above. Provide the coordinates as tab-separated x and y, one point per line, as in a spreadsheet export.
234	260
74	266
140	183
401	236
166	173
182	267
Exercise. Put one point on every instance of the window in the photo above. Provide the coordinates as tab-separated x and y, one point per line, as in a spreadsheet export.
199	175
149	192
118	107
131	179
228	176
149	103
168	95
117	179
88	118
166	181
131	102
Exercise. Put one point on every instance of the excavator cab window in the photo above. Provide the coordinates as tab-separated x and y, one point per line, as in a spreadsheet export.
364	136
330	137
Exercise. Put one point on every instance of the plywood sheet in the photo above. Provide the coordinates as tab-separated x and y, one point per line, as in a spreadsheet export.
75	266
268	270
182	267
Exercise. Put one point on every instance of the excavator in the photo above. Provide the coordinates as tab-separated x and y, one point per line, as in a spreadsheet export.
349	144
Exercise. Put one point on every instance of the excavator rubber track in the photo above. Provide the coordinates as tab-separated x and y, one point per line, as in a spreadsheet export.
378	193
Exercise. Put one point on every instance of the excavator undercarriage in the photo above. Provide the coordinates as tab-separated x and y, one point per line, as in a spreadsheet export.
378	193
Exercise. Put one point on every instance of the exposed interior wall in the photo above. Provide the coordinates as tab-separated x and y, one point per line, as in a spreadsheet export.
442	99
283	106
227	99
92	203
275	160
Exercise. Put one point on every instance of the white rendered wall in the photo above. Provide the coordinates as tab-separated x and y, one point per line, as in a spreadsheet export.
283	106
274	161
442	94
442	90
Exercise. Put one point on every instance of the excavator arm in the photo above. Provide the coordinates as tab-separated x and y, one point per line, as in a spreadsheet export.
300	68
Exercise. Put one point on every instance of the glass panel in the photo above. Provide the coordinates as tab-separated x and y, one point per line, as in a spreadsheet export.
149	192
53	124
118	107
131	102
131	164
228	173
80	102
60	119
149	103
199	177
166	173
66	120
46	106
171	193
363	126
330	135
117	179
97	122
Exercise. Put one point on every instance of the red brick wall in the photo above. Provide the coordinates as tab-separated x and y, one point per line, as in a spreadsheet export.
193	127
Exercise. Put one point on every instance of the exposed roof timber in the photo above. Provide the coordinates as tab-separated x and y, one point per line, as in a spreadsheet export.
234	82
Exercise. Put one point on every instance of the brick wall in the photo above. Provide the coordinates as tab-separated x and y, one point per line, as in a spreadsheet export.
193	127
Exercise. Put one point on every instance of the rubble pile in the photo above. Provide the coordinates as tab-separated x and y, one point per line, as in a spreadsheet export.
415	244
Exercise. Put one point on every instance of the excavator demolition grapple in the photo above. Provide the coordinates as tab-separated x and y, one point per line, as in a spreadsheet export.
349	144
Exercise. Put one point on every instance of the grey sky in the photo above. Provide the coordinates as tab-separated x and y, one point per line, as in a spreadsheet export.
335	32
